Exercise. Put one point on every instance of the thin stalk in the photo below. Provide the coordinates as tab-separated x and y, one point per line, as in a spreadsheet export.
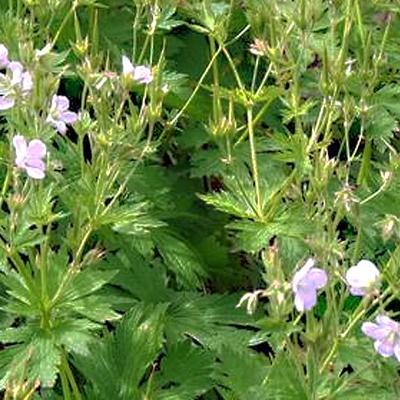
254	161
233	67
66	391
365	162
264	79
255	73
70	377
63	23
204	74
216	95
256	119
6	183
131	172
360	312
196	89
73	267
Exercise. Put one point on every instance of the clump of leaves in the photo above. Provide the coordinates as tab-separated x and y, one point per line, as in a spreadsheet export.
198	153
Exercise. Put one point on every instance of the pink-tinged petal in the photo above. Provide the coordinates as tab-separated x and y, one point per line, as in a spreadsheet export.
353	277
20	145
363	274
36	149
27	82
16	68
318	277
127	67
35	168
69	117
384	347
374	331
6	102
357	291
61	127
4	61
35	173
35	163
302	273
142	74
60	103
369	266
305	299
387	322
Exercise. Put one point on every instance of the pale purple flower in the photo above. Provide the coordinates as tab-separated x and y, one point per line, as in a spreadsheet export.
16	81
363	278
139	73
4	61
305	284
60	115
386	333
29	156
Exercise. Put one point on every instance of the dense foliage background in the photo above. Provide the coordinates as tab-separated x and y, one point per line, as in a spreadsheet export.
268	134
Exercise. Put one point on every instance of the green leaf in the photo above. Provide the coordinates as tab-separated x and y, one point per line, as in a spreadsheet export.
241	373
186	372
116	365
44	361
210	320
180	258
85	283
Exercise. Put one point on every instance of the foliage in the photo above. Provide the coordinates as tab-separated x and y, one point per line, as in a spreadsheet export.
155	259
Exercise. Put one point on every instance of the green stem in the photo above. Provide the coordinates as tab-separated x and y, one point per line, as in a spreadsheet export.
255	73
233	67
196	89
254	161
363	173
63	23
216	96
70	377
72	268
5	185
66	391
359	313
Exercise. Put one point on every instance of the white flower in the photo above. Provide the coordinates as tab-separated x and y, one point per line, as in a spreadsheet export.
139	73
362	278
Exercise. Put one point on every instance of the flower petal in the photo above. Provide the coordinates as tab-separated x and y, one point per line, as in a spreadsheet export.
60	103
27	82
6	102
35	173
384	347
353	277
302	273
363	274
16	68
35	168
3	56
36	149
355	291
305	299
374	331
69	117
387	322
142	74
318	277
127	67
20	146
60	126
